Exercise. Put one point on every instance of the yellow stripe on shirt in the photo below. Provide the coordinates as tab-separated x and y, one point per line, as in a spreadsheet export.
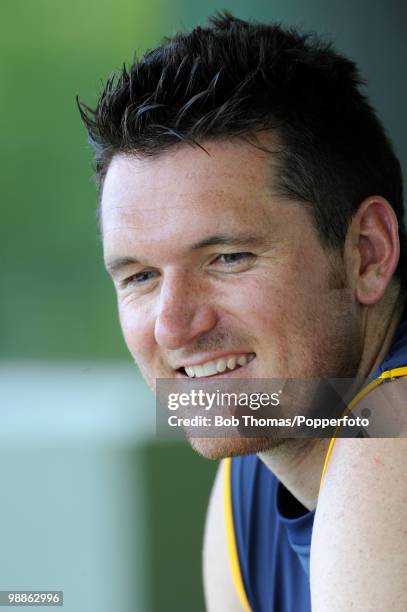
231	537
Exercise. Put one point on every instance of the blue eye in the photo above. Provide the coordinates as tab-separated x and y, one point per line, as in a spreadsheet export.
234	258
139	278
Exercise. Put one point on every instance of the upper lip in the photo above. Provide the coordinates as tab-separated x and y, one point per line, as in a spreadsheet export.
188	363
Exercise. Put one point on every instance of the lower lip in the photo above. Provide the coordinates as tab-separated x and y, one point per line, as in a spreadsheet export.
226	374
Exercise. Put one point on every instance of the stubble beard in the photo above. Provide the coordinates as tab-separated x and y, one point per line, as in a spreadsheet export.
344	368
339	358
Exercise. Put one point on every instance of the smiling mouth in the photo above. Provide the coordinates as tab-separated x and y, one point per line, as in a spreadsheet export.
217	367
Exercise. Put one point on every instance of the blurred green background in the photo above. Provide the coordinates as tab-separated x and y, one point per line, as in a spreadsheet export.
91	501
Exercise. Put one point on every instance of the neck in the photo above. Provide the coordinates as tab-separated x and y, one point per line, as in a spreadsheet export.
378	324
298	463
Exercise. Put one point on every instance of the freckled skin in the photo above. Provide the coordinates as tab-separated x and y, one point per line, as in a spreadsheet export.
284	303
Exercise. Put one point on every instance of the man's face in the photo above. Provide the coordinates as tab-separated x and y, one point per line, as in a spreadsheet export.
213	268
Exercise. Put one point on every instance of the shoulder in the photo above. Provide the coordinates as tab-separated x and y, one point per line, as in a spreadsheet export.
370	467
358	556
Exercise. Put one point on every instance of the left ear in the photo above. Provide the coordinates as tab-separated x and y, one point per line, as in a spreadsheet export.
372	249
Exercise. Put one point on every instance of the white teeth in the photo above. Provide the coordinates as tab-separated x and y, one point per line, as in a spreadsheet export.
213	367
221	365
210	368
198	370
231	363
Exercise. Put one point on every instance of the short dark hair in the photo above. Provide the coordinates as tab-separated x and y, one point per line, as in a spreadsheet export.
235	79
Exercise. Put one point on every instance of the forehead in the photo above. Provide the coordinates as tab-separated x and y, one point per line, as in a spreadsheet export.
185	194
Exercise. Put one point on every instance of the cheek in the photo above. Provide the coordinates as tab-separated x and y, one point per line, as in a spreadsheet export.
137	328
293	301
275	295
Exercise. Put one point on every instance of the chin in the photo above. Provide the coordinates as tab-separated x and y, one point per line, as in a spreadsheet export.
219	448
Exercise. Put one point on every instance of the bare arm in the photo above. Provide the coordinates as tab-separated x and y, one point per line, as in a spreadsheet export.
359	545
220	594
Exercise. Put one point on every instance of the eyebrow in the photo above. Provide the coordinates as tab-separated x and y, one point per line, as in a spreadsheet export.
239	240
230	240
118	263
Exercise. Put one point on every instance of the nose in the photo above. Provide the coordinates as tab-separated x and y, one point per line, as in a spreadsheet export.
183	312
